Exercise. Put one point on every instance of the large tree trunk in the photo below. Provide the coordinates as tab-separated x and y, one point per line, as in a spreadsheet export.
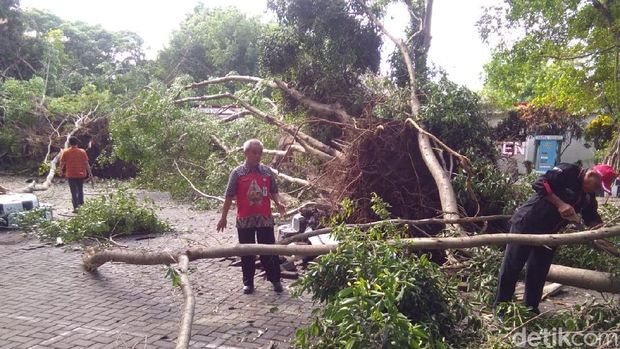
583	278
93	259
447	196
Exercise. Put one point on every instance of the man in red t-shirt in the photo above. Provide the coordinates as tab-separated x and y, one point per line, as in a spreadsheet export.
74	165
253	186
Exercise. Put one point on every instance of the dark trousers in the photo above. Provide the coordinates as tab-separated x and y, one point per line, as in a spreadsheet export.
538	259
271	264
76	185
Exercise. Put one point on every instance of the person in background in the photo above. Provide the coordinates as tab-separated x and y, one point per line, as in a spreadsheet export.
75	167
564	194
253	186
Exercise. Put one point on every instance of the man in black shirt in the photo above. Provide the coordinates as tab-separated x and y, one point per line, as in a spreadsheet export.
561	194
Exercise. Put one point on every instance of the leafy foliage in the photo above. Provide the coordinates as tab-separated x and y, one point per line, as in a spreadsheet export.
212	42
600	317
600	131
481	274
495	192
324	46
109	215
453	113
380	295
529	120
55	71
153	132
566	57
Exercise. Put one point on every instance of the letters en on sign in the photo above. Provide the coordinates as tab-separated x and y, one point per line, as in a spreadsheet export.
510	148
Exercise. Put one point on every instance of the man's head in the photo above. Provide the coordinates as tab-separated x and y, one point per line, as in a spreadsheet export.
598	177
253	150
73	141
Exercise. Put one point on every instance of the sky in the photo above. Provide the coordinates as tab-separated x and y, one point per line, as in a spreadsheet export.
455	44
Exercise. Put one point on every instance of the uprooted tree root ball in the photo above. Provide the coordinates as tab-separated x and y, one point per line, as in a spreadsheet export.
385	159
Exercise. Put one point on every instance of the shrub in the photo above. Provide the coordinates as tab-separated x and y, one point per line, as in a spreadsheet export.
109	215
376	294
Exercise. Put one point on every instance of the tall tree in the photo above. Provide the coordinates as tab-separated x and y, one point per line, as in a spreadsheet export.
16	56
568	56
212	42
324	46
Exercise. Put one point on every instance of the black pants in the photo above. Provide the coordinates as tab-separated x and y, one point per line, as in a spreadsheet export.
77	191
271	264
538	259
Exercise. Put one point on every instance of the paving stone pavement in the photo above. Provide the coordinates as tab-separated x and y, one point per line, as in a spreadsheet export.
48	301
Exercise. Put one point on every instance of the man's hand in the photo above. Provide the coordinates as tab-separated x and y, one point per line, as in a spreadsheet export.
566	210
221	224
281	209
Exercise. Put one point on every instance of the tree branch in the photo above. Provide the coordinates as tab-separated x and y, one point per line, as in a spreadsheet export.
291	179
194	187
229	78
417	222
447	196
185	328
311	144
319	108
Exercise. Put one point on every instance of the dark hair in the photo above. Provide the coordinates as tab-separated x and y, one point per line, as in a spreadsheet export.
73	141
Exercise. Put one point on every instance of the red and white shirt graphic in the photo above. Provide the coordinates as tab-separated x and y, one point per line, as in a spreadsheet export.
252	188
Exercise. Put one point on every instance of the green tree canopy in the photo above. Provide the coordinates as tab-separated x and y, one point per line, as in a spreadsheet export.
567	56
323	46
212	42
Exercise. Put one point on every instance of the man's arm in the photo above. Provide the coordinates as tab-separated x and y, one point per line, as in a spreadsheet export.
590	214
565	209
231	192
556	179
278	201
88	170
223	220
275	196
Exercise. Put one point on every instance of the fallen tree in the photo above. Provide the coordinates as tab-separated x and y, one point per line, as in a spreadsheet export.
603	282
416	222
78	124
93	259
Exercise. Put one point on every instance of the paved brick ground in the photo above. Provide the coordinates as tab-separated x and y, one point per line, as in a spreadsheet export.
48	301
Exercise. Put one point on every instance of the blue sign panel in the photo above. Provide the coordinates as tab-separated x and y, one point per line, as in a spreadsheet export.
546	154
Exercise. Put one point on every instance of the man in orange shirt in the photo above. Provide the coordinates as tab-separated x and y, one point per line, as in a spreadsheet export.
74	165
